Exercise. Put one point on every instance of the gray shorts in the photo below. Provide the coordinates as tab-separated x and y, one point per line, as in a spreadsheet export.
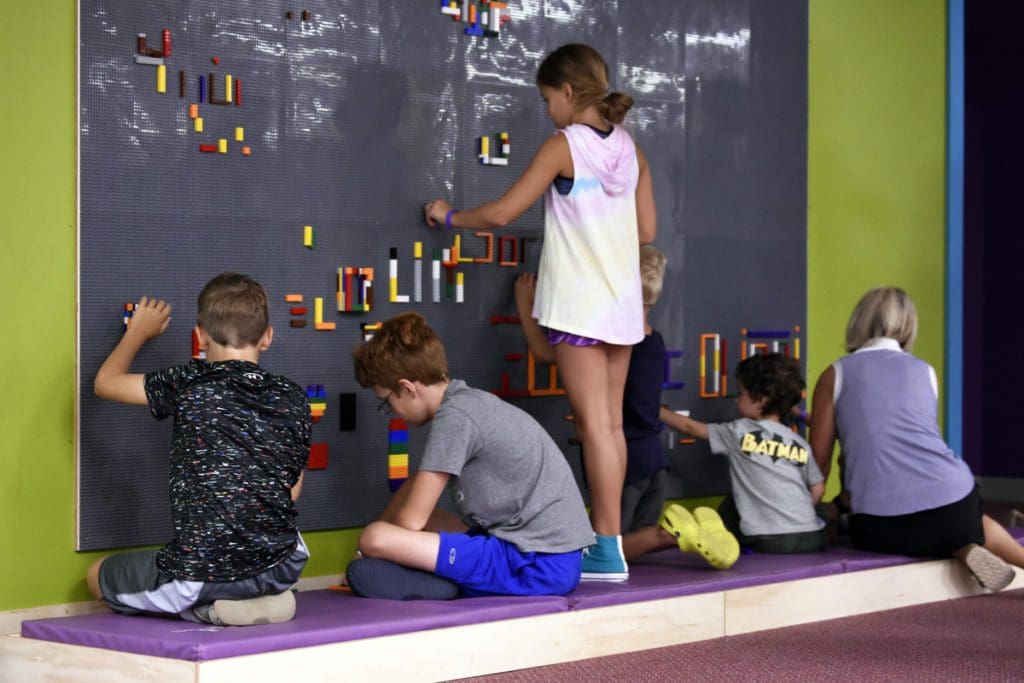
642	502
131	583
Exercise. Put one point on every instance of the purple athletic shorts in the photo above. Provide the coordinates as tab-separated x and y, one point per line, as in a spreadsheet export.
556	337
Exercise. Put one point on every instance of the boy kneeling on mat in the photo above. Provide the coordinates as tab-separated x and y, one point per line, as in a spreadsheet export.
240	440
521	525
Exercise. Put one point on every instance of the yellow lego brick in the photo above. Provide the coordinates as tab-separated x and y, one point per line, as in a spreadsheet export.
198	124
318	310
222	145
307	236
227	88
417	249
161	78
239	134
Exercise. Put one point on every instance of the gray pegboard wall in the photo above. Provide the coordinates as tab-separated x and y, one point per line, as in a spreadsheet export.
356	115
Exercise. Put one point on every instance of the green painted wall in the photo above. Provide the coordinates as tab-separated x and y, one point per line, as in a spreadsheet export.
875	193
876	167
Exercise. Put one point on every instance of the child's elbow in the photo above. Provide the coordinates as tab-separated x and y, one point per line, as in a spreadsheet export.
501	219
647	234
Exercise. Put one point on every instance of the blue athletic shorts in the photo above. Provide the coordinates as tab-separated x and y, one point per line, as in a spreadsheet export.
485	565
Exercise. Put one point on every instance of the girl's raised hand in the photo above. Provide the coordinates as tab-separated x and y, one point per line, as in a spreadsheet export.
435	212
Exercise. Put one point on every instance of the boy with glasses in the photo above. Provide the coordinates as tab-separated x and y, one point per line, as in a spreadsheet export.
521	525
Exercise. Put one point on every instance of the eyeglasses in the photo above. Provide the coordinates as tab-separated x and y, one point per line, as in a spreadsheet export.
384	408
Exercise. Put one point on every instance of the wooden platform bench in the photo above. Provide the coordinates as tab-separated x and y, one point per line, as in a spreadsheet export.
671	598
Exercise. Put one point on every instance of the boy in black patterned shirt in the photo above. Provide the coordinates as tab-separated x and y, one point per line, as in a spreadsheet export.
240	441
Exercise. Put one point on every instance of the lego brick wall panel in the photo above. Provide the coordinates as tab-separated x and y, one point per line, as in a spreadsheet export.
355	116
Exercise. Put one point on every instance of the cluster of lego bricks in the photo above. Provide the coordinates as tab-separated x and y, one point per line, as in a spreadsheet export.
296	311
355	290
129	311
770	341
306	15
714	367
398	453
207	90
485	18
208	94
317	396
504	146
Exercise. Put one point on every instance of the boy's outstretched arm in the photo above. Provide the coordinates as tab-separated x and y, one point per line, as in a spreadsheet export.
682	423
526	289
113	381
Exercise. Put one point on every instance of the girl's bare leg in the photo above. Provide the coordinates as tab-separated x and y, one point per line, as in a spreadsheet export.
594	379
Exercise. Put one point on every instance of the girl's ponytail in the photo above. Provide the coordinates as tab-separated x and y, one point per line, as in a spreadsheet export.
615	106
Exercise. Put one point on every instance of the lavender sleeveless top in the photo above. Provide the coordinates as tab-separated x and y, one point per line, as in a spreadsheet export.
886	415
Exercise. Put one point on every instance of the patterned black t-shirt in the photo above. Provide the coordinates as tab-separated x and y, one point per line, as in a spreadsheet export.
241	438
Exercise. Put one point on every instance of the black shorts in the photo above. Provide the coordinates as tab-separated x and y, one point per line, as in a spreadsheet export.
642	501
938	532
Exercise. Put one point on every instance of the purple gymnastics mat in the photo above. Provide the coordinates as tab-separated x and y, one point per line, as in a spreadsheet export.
331	616
321	617
670	574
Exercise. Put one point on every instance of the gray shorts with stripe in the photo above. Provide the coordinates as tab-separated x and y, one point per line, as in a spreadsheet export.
132	584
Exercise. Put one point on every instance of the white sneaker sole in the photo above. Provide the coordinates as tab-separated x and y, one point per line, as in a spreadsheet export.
604	576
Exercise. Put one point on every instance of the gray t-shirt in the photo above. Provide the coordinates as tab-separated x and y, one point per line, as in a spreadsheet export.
771	468
508	476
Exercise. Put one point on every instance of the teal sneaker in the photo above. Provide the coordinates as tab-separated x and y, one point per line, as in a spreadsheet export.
604	560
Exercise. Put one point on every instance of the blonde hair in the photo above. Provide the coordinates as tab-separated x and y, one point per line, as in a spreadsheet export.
582	67
882	312
403	348
652	273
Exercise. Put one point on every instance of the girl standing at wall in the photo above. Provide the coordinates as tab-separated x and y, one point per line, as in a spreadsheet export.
598	210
